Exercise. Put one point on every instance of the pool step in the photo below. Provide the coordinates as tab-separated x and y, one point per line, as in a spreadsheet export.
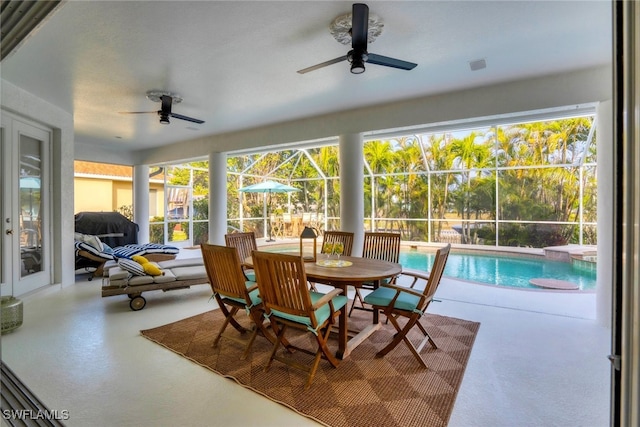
554	284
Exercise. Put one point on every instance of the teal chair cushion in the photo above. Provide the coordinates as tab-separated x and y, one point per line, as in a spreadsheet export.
382	282
255	299
382	297
322	313
250	275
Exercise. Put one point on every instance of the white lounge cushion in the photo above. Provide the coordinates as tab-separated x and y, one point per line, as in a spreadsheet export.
185	262
140	280
117	273
167	277
190	273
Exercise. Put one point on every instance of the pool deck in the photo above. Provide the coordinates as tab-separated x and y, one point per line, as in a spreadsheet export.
554	253
580	305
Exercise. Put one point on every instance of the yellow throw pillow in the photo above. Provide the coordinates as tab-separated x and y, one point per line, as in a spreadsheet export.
139	259
152	269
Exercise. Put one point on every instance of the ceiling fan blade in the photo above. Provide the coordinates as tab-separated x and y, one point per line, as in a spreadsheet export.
390	62
359	26
189	119
323	64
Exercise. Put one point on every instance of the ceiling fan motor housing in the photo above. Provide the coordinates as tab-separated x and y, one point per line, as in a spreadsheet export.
165	112
164	118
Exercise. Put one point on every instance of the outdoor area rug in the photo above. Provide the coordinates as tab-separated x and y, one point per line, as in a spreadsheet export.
361	391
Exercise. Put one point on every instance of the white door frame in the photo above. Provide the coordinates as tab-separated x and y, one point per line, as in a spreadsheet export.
12	281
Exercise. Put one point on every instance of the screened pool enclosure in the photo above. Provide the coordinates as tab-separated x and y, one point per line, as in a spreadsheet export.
516	184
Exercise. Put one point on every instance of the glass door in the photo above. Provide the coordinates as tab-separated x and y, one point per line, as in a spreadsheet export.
25	243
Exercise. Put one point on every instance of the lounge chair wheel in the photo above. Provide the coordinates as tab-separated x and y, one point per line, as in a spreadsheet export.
137	303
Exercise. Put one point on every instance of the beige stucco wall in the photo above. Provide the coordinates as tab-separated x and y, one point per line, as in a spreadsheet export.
101	194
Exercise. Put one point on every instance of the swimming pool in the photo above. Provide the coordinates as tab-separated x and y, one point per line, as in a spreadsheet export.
501	270
491	269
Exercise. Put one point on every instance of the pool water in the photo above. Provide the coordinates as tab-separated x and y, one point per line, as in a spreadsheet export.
501	270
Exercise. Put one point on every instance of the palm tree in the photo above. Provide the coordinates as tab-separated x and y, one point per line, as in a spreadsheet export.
470	152
380	157
409	161
438	159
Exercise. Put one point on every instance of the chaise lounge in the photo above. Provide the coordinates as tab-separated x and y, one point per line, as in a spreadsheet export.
125	278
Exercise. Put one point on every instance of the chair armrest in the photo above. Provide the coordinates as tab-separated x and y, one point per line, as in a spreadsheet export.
252	288
420	274
403	289
326	298
416	275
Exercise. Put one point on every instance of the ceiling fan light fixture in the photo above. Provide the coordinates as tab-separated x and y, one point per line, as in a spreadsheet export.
357	61
164	119
357	66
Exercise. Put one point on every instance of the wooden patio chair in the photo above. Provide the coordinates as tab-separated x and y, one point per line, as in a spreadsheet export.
380	246
288	302
344	237
245	243
287	224
276	226
396	301
233	292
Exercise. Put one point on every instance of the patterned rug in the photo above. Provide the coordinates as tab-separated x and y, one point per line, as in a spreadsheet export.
362	391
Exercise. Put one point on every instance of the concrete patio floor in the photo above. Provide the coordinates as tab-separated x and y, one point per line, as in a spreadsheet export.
540	359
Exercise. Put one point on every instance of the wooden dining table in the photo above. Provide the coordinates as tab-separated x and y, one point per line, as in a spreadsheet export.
356	273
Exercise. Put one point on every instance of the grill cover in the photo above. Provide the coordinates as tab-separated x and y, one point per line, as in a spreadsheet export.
112	228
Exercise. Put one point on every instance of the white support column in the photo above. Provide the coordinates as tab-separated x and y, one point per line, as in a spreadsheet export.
141	201
217	198
605	229
351	152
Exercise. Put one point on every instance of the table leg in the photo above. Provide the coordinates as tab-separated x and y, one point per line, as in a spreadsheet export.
346	345
343	335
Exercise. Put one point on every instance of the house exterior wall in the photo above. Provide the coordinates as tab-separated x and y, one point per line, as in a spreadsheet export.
98	194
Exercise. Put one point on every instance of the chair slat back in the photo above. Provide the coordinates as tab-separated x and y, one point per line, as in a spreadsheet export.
344	237
381	246
282	282
224	271
245	243
435	275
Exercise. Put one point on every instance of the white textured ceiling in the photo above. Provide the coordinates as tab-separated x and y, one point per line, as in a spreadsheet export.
235	63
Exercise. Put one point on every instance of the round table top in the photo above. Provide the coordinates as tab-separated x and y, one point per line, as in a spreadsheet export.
361	270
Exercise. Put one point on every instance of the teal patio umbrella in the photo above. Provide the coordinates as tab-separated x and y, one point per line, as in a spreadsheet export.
269	187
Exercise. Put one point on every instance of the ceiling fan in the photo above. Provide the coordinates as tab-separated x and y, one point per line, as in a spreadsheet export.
166	99
358	55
